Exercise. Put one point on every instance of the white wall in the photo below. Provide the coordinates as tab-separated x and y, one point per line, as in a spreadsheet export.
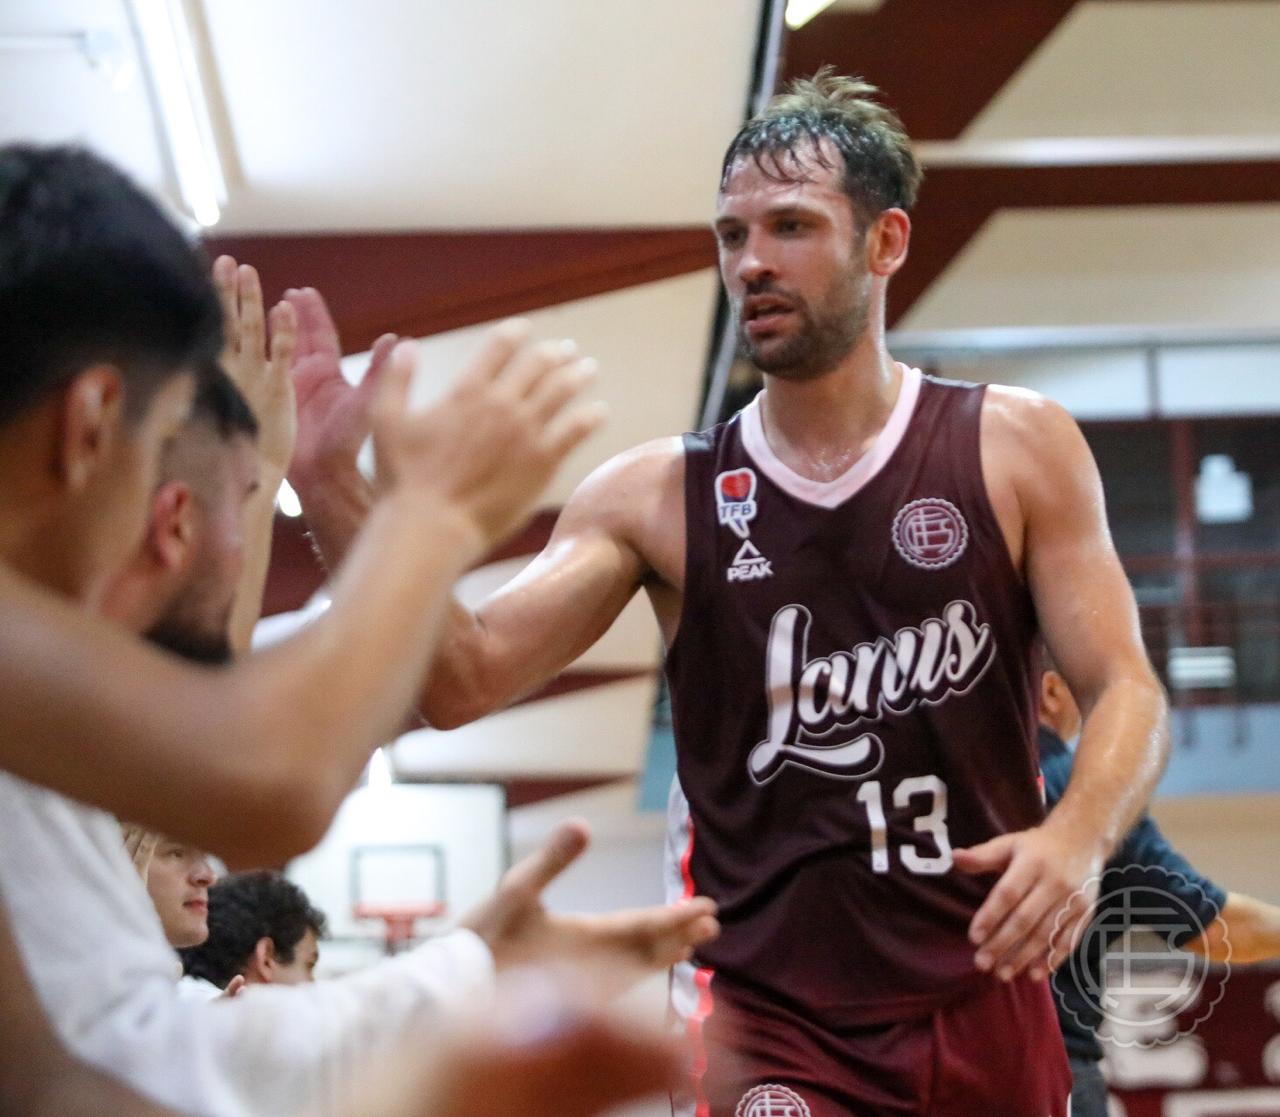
1232	839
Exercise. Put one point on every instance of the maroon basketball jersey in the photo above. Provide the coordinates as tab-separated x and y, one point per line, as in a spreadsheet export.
852	692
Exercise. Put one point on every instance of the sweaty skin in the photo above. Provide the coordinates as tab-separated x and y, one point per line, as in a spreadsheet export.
459	475
624	530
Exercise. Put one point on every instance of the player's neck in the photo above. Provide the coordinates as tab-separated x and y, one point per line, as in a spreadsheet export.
23	533
35	538
820	427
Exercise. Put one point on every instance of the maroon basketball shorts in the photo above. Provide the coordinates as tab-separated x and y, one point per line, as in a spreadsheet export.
996	1052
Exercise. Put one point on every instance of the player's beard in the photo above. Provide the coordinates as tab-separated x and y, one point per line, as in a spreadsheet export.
183	637
826	334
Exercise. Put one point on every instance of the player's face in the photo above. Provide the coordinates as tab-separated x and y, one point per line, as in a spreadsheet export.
116	502
793	262
302	969
197	622
178	881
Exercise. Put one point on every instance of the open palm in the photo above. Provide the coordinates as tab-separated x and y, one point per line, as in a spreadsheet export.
333	414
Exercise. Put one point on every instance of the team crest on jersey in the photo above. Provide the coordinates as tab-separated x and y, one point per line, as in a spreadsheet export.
812	699
930	533
749	565
772	1100
736	500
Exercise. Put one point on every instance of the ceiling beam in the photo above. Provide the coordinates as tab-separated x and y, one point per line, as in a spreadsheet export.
415	284
939	64
957	201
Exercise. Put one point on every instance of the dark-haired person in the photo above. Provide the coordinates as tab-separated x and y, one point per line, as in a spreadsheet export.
1143	873
263	928
849	576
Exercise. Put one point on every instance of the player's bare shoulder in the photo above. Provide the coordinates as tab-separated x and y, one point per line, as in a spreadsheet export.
1031	449
1029	435
637	497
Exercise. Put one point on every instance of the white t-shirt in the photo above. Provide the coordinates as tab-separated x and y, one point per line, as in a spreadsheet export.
105	975
197	989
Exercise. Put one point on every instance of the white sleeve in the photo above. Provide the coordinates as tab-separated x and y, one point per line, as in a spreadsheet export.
107	980
305	1049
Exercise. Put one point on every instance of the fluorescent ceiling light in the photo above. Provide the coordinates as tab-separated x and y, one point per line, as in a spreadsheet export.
179	102
799	12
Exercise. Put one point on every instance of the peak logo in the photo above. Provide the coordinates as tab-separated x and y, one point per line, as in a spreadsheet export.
813	698
749	564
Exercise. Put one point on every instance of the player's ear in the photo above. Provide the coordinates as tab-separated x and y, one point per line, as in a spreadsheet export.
887	241
1051	685
92	420
171	533
262	963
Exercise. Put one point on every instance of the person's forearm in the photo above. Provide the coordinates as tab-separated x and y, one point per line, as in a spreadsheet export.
1121	755
349	678
335	503
37	1076
1247	930
68	1088
259	523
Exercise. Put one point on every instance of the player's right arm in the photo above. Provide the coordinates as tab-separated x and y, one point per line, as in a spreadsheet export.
600	553
251	761
622	529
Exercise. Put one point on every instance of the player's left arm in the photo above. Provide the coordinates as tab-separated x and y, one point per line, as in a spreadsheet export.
1042	477
1246	930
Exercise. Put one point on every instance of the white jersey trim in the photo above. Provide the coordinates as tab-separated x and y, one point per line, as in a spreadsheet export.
831	494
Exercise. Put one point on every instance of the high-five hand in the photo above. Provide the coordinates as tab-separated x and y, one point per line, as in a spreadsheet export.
490	445
262	374
621	946
333	414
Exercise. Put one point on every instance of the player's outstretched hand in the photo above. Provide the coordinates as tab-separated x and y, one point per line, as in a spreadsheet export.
490	445
1044	897
618	948
258	359
545	1047
333	415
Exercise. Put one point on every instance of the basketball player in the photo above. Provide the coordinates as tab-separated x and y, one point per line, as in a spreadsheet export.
849	577
1234	927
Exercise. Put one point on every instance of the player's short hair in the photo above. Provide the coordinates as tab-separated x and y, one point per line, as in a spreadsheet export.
246	907
91	270
880	170
221	406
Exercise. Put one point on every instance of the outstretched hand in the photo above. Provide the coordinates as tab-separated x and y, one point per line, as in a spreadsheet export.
258	360
333	414
1045	895
488	447
622	946
544	1047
